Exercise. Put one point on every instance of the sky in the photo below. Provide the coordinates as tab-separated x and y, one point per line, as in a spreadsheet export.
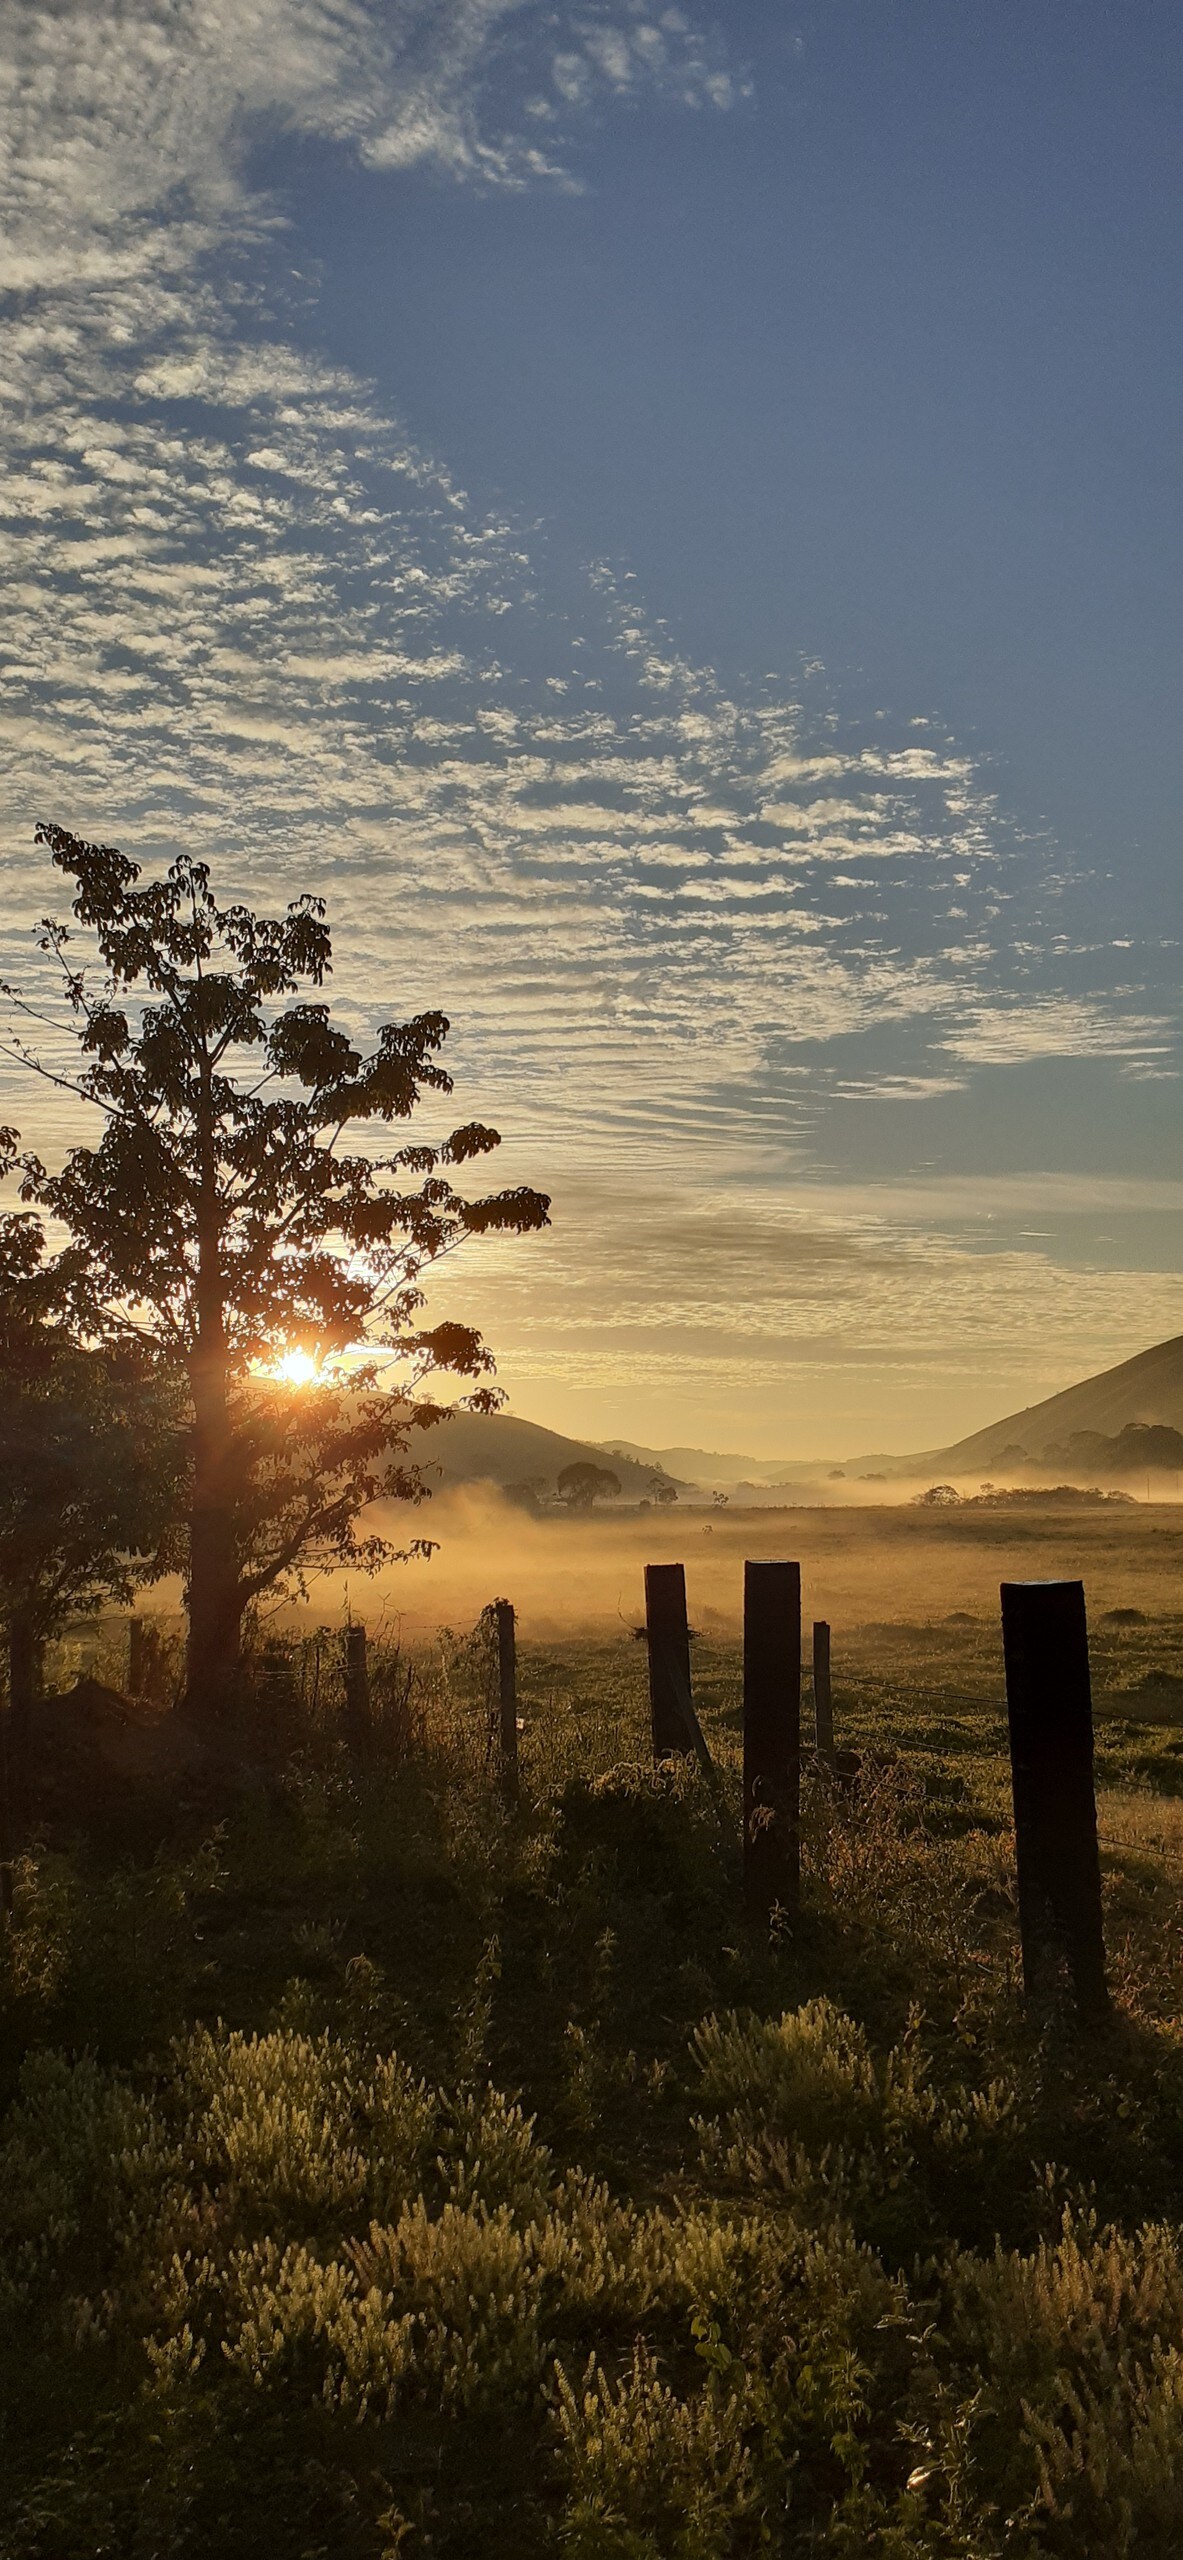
667	519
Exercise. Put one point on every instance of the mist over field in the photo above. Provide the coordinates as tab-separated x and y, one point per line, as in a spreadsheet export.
861	1564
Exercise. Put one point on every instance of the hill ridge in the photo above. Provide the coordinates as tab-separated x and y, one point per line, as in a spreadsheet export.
1146	1388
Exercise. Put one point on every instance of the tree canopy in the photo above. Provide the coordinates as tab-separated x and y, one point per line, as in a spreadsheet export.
583	1484
227	1216
89	1468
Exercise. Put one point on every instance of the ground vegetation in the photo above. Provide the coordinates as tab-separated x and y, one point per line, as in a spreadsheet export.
384	2171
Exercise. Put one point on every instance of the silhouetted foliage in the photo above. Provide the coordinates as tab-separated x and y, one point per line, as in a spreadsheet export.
583	1484
89	1463
221	1220
1137	1447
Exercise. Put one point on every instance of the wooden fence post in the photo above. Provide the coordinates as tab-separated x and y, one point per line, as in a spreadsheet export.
771	1737
357	1691
668	1635
1050	1714
823	1697
507	1700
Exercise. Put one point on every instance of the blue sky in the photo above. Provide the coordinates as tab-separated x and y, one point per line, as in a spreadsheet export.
669	518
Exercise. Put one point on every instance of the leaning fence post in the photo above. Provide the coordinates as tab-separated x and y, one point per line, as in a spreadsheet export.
357	1690
823	1698
668	1635
1050	1715
507	1699
771	1737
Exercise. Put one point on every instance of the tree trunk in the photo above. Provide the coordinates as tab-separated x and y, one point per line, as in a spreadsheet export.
215	1599
215	1596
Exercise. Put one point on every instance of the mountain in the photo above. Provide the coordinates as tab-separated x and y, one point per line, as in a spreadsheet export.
497	1448
709	1466
1146	1389
1064	1432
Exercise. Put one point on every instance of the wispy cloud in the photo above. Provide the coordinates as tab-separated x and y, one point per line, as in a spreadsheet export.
118	115
242	605
1013	1029
782	1319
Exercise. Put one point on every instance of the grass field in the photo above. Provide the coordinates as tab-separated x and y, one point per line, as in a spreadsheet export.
384	2173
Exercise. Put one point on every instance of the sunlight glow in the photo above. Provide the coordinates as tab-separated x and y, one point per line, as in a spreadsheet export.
297	1369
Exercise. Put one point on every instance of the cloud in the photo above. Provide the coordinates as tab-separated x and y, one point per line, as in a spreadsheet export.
248	610
1008	1030
779	1321
243	608
126	123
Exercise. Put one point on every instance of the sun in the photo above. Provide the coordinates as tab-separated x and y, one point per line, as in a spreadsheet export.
297	1369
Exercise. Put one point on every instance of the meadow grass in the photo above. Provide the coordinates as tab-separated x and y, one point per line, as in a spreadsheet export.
385	2172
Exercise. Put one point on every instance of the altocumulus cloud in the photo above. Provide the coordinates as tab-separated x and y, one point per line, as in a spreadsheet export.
243	607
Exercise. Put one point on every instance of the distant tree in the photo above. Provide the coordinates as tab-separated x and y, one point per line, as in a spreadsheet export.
1130	1451
938	1497
221	1219
582	1484
720	1501
89	1468
662	1490
527	1493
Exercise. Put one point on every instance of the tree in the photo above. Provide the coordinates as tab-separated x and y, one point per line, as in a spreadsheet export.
583	1484
662	1489
221	1218
88	1468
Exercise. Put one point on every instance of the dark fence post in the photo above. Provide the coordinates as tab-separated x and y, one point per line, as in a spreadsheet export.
669	1659
823	1698
1050	1713
507	1699
771	1737
357	1690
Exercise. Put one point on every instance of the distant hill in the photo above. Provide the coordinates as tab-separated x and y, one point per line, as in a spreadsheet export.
1119	1423
1145	1390
497	1448
710	1466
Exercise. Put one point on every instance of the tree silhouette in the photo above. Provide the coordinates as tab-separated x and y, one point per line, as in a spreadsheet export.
583	1484
221	1218
89	1460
